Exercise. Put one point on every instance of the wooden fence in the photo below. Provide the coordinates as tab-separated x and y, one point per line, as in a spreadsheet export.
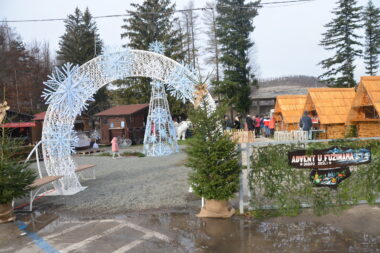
290	136
241	136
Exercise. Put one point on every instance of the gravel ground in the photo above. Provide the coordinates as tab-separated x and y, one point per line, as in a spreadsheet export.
128	184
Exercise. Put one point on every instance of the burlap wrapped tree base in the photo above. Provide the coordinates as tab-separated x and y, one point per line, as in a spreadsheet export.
216	209
6	213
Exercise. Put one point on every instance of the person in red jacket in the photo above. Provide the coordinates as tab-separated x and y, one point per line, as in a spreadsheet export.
272	124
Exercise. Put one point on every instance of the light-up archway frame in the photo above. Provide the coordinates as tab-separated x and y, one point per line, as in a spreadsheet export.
70	88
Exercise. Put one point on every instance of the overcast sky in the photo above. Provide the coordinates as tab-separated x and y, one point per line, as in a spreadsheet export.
286	37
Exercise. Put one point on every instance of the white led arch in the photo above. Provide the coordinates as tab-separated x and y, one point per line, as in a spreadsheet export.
70	88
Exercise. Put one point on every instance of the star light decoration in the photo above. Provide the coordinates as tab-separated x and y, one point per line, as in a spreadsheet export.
157	47
116	63
181	82
68	91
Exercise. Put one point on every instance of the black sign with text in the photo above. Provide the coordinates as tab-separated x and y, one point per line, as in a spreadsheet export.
329	158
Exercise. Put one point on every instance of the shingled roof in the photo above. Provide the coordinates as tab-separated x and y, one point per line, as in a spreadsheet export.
122	110
332	104
290	107
368	93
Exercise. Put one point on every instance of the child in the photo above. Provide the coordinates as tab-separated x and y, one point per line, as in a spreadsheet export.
115	147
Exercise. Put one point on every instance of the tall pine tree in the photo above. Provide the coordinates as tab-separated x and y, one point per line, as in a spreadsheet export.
341	38
371	16
234	25
153	20
79	44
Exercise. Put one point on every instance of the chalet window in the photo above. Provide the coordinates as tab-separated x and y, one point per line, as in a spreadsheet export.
112	125
370	112
122	124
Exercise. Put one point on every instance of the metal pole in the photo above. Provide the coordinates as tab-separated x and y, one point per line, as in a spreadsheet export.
241	191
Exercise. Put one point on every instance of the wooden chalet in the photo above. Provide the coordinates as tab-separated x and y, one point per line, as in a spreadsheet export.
126	121
288	111
365	109
329	108
19	125
81	124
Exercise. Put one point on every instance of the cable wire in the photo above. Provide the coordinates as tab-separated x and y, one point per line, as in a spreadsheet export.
130	13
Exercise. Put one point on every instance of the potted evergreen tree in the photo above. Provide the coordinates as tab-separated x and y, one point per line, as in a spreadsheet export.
14	177
214	159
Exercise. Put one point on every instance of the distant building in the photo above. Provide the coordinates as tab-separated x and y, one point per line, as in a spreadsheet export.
264	97
81	124
20	125
126	121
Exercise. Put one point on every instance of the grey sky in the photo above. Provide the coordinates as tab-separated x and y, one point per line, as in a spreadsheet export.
286	36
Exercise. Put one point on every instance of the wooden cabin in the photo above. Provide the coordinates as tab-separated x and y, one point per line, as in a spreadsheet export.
19	126
329	108
365	109
81	124
288	111
126	121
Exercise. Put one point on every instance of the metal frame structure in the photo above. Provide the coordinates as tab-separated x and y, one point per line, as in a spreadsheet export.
70	88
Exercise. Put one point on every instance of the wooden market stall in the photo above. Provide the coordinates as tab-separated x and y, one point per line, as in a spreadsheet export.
329	108
288	111
365	110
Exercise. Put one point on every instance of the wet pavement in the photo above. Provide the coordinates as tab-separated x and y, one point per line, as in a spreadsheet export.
356	230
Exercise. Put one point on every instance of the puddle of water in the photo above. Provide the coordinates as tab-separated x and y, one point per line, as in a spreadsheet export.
238	234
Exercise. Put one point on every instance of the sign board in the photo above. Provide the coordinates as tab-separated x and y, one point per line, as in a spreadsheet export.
330	166
329	158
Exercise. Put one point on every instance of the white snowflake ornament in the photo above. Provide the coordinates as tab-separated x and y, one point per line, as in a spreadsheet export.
68	91
157	47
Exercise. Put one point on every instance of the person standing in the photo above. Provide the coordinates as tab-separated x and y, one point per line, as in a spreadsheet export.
115	147
257	126
227	123
236	123
306	123
249	123
272	124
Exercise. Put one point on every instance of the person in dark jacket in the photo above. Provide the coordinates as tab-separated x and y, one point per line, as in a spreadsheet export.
236	123
249	122
227	123
305	122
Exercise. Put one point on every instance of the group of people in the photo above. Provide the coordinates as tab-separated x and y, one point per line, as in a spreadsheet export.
263	126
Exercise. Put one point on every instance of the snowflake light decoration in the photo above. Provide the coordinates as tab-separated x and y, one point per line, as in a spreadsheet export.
60	143
116	63
95	135
157	47
68	91
159	115
181	83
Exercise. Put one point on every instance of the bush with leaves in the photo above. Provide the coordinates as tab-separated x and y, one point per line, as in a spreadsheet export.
212	156
274	184
14	174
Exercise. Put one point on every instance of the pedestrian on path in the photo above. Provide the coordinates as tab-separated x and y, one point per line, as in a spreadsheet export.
115	147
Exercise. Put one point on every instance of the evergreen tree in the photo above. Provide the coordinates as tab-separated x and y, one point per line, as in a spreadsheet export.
151	21
371	17
212	155
234	25
341	38
79	44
